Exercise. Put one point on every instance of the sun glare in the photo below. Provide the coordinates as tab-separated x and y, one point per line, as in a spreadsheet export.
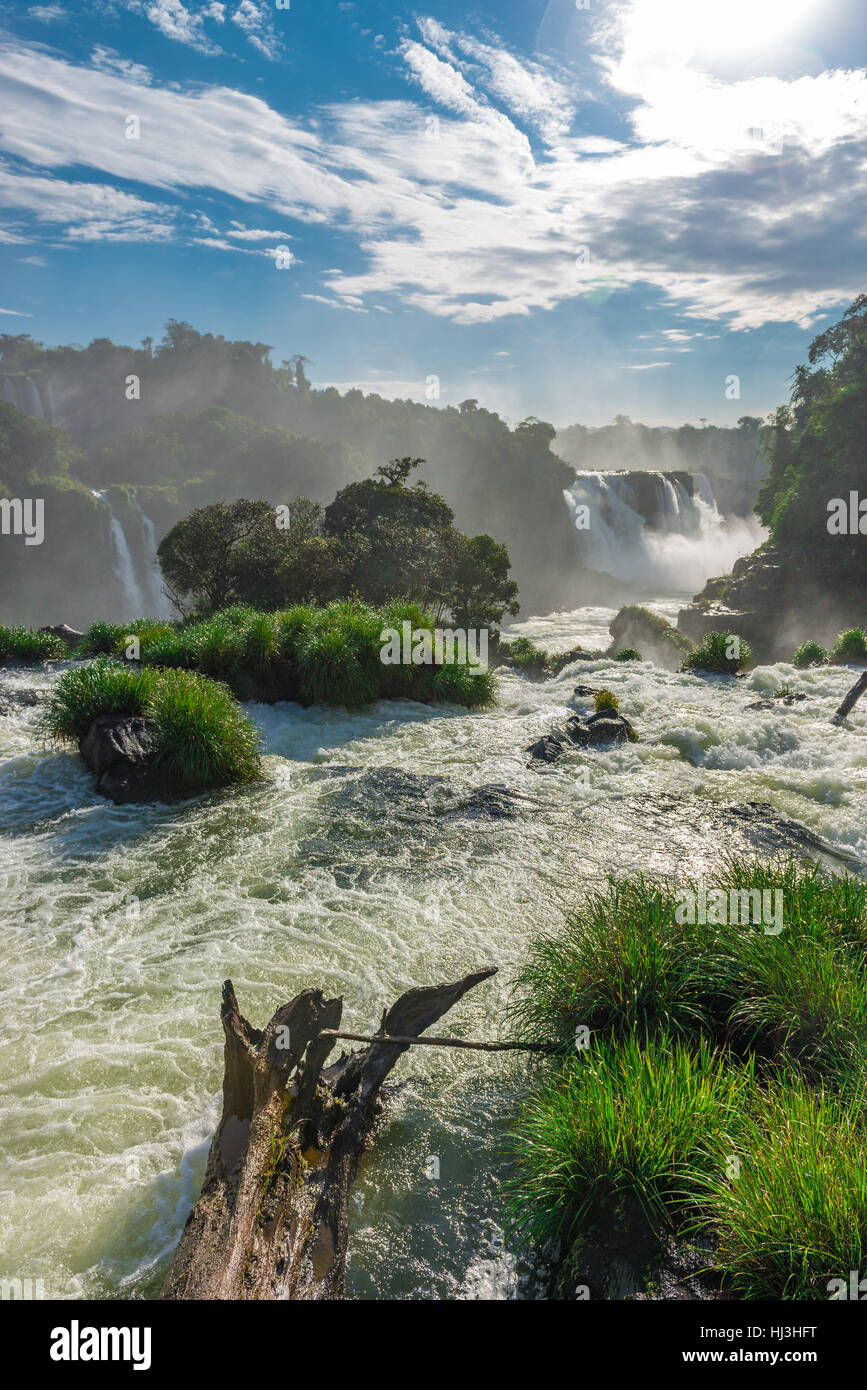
687	27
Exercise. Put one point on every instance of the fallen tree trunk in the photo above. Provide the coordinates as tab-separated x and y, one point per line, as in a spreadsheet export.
851	699
272	1219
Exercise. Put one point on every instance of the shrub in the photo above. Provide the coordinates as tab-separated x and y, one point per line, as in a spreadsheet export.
605	699
86	692
202	737
628	654
850	646
795	1217
24	645
713	654
523	654
809	654
622	1119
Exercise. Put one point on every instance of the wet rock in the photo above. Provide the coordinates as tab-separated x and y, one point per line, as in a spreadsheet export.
775	704
70	635
601	730
119	749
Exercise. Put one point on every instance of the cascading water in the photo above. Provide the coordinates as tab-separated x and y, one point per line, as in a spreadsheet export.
659	531
159	605
141	589
124	568
31	399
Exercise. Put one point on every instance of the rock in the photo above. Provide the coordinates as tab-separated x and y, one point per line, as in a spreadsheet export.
775	704
777	601
601	729
583	692
119	749
70	635
649	634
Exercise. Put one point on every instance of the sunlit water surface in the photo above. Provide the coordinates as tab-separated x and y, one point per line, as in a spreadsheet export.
395	847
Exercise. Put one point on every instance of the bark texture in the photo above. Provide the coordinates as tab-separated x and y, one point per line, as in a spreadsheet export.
272	1219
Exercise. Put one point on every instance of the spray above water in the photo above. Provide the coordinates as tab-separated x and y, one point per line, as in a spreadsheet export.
659	531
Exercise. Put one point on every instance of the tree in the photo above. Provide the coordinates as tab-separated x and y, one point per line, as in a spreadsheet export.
213	556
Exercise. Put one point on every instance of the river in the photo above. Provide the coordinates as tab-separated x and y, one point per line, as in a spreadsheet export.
397	846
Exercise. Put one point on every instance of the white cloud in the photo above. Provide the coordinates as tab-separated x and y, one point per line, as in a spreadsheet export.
465	217
255	20
107	60
16	313
46	14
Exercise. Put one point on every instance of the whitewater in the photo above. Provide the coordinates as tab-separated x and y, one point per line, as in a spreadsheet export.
396	846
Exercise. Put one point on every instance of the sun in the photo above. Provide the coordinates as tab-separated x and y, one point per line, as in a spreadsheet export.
684	28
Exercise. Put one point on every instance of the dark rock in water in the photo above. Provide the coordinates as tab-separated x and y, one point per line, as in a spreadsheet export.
119	749
775	704
547	749
70	635
600	731
582	692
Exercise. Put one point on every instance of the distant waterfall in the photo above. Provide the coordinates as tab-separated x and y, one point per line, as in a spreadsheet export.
24	394
659	531
124	567
160	607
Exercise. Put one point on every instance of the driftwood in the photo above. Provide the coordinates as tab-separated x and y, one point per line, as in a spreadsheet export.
271	1222
851	699
549	1048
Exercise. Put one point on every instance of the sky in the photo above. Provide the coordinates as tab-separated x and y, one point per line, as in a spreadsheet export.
570	210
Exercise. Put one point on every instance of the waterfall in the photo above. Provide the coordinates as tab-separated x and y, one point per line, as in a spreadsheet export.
659	531
23	393
32	404
160	605
49	400
124	568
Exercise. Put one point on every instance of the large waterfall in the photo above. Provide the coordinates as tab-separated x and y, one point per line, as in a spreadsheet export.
659	531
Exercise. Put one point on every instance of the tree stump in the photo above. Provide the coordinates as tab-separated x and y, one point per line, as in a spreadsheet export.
272	1218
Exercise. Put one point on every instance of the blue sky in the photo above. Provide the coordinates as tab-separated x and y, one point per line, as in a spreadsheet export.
563	211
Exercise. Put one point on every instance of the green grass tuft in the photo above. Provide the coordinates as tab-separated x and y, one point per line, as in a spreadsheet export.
850	646
22	644
723	652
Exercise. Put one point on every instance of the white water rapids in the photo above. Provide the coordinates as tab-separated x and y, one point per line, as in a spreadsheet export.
393	847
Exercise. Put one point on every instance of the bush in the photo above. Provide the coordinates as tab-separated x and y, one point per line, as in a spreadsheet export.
605	699
809	654
850	646
22	644
313	655
628	654
202	737
713	654
795	1217
523	654
621	1119
81	695
709	1040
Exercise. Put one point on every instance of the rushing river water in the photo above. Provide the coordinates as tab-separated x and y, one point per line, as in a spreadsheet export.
398	846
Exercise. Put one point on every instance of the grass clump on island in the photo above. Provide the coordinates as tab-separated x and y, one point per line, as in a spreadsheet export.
329	655
22	644
705	1044
203	739
628	654
849	646
723	653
